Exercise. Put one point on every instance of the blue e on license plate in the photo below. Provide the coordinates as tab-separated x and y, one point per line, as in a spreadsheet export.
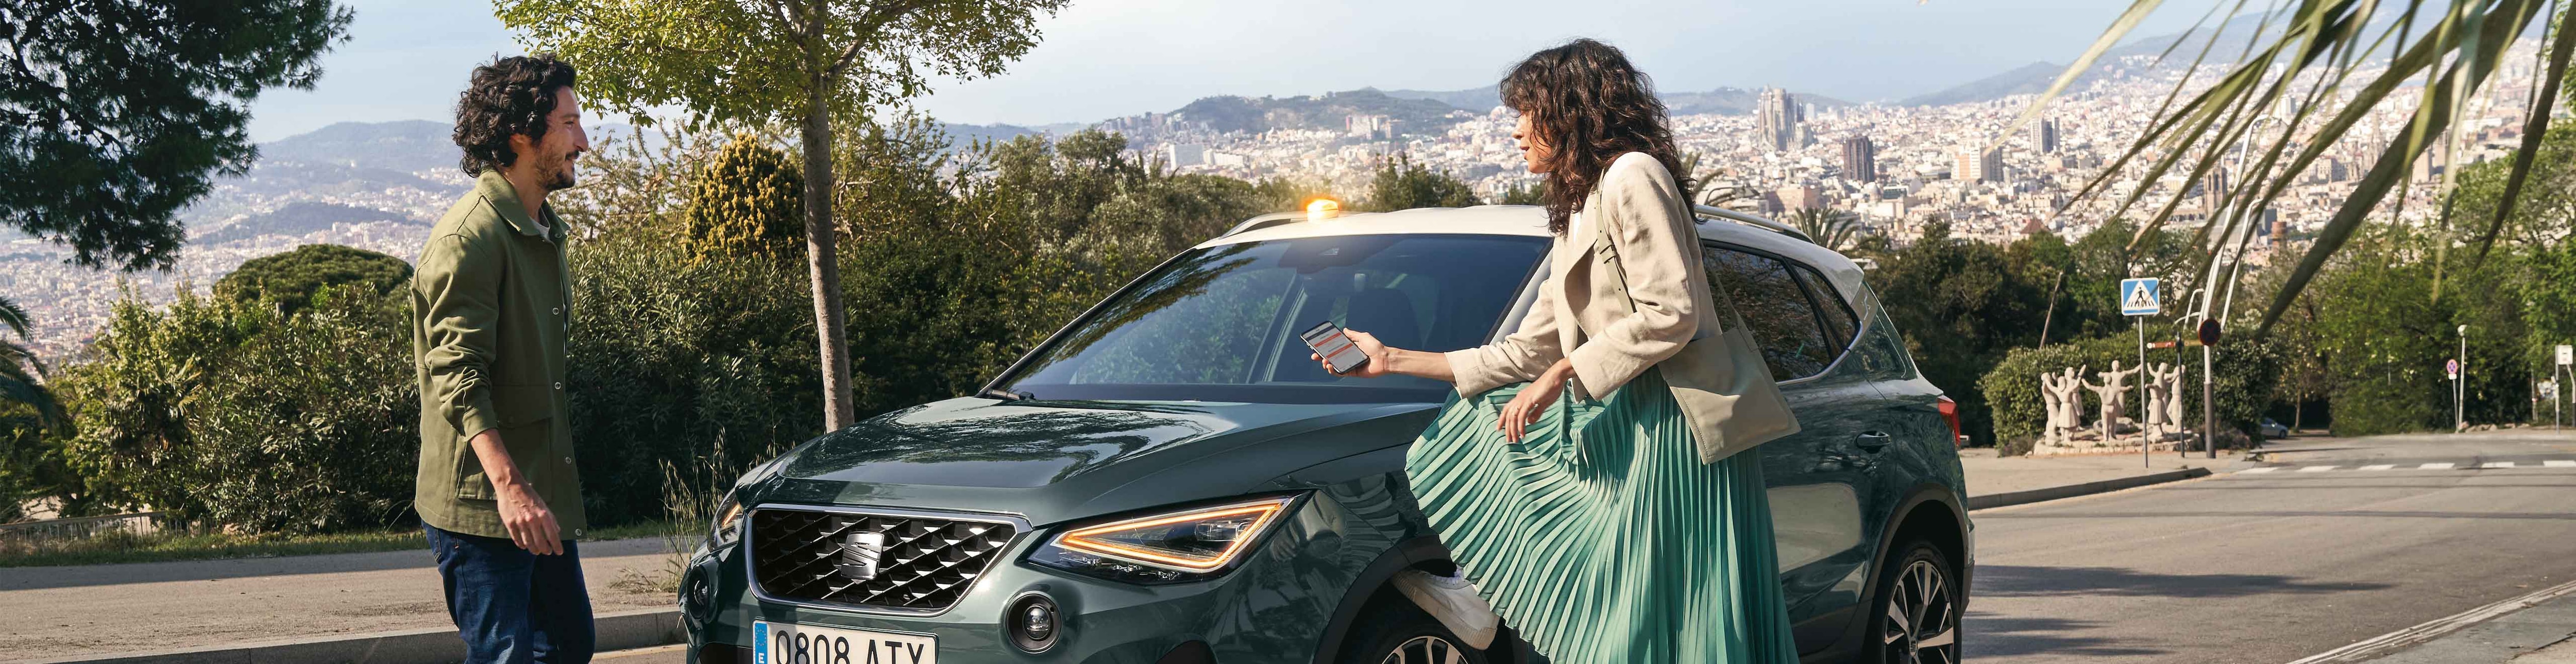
788	643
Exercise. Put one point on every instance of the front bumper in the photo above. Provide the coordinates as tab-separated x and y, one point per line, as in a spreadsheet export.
1273	608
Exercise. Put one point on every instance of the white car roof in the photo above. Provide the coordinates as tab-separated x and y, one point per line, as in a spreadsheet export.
1531	220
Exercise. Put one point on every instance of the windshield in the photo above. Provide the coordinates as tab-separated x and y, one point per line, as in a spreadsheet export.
1222	323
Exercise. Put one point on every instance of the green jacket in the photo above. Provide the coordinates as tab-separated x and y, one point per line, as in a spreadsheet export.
491	304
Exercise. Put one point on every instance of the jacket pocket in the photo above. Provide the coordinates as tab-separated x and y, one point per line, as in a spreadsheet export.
522	413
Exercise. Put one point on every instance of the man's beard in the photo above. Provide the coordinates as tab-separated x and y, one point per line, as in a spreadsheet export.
558	176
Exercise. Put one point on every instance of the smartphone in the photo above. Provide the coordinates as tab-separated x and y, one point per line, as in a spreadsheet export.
1336	348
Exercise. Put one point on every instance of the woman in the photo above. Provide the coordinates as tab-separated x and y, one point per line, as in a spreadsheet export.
1605	519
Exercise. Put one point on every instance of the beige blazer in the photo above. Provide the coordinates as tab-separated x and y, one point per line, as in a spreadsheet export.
1654	238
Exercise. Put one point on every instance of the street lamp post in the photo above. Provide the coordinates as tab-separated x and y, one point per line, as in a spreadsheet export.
2459	386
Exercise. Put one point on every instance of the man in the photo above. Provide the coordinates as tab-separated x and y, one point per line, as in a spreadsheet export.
491	304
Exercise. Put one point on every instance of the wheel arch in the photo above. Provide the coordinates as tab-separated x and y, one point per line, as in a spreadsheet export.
1418	552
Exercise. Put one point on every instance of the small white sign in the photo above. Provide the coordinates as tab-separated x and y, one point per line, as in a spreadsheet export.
2549	390
2566	354
2138	297
2451	367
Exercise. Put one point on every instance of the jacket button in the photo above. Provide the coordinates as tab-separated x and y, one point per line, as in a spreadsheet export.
576	532
558	384
567	461
558	311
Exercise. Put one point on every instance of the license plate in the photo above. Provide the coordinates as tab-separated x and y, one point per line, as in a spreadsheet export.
788	643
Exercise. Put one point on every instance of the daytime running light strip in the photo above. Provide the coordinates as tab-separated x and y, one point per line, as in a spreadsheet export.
1268	510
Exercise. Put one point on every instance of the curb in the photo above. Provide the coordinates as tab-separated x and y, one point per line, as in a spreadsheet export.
2085	489
439	645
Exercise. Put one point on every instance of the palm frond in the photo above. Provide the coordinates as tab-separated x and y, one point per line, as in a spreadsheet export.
2320	44
13	317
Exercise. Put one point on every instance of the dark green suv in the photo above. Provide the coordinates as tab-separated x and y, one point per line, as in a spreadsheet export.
1170	480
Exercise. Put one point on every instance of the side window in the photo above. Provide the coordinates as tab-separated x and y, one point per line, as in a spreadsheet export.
1837	314
1776	308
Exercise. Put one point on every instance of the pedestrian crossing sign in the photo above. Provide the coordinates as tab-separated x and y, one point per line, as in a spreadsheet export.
2138	297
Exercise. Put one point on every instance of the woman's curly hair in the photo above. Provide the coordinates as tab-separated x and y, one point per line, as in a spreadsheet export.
1590	106
510	97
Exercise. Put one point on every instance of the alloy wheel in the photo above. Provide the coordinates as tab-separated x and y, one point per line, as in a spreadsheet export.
1922	620
1426	649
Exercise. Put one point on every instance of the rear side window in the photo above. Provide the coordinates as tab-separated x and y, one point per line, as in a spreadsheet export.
1777	308
1836	314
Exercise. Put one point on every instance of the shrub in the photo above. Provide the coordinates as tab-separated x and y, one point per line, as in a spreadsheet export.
2243	386
749	199
221	412
293	278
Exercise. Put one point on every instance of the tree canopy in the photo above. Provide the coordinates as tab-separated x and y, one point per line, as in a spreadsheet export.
115	114
292	279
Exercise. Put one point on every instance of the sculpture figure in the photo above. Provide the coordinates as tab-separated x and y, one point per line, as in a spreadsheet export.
2053	403
2173	399
2113	391
2069	415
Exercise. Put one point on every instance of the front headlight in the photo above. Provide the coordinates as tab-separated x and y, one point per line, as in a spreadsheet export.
728	524
1173	547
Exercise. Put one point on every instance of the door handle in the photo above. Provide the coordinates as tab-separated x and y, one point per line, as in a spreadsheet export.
1872	441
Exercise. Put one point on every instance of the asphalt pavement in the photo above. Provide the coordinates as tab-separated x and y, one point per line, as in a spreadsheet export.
2324	544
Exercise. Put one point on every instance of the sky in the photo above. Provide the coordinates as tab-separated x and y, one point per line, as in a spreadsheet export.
1098	59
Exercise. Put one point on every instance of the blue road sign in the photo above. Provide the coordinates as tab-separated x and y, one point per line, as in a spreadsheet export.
2138	297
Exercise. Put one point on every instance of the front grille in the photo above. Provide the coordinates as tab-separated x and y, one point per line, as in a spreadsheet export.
924	563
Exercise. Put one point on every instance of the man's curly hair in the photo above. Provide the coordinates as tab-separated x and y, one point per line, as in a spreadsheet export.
512	96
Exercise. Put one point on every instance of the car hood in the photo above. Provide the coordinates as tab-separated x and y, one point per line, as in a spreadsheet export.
1050	461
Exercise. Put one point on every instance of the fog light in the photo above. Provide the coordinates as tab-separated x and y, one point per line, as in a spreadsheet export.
697	597
1033	623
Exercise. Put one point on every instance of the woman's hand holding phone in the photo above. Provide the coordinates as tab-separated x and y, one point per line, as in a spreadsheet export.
1377	353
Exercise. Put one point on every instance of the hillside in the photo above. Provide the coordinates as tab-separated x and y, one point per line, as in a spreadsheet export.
1722	101
2028	79
404	146
299	218
1250	114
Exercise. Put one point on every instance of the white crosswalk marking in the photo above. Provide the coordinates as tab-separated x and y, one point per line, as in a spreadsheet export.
2437	465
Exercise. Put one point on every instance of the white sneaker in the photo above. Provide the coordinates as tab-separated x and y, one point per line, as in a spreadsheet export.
1454	602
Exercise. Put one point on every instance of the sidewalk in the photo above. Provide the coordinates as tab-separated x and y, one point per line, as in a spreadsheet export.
99	610
2016	480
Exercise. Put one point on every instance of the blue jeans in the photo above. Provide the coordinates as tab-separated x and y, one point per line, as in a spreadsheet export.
512	606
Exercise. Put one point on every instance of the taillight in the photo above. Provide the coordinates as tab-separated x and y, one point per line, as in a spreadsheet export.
1950	412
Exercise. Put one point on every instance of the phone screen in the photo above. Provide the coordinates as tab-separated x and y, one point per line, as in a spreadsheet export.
1336	348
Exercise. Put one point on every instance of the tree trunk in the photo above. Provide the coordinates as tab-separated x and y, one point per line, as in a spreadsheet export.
824	260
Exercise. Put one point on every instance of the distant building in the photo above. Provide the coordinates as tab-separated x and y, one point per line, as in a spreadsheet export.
2213	189
2043	135
1860	160
1177	155
1979	163
1800	197
1780	120
1369	126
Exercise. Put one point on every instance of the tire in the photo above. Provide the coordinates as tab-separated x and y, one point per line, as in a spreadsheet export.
1915	610
1394	631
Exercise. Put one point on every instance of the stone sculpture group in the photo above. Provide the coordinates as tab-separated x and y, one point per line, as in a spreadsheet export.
2063	394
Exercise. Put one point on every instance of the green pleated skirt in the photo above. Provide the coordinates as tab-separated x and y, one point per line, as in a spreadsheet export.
1600	536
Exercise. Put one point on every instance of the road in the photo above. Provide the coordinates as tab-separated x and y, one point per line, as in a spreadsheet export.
2271	566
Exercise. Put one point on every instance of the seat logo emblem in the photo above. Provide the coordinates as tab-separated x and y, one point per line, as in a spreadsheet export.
859	552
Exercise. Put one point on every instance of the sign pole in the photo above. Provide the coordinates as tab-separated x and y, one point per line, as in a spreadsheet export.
2146	435
2138	299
